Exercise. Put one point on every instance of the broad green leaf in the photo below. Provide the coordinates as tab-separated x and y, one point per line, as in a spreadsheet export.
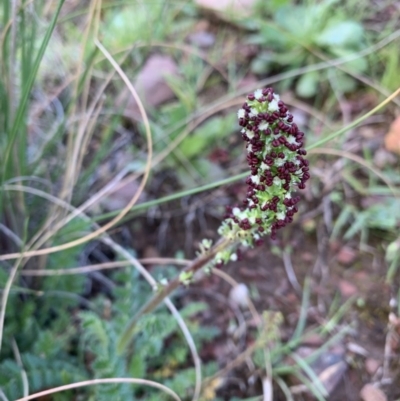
261	65
137	367
344	83
342	34
207	135
307	85
357	66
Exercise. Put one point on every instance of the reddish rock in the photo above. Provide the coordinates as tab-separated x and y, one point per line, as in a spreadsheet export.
371	393
151	85
347	255
347	289
372	365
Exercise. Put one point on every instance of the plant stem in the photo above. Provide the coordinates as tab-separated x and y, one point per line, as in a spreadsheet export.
165	291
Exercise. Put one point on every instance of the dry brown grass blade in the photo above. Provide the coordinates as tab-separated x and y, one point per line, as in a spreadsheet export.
126	209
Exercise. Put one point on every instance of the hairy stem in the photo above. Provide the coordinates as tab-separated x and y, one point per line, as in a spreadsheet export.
165	291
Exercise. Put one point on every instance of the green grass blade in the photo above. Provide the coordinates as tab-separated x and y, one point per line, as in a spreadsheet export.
317	385
301	324
19	117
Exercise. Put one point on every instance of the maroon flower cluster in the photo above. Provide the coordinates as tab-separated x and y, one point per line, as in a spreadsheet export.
277	165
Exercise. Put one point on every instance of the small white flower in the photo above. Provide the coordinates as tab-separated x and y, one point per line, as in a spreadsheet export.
273	106
258	94
255	179
277	97
279	162
235	211
280	216
249	147
277	181
263	126
288	196
241	113
292	140
249	134
233	257
264	166
239	295
253	112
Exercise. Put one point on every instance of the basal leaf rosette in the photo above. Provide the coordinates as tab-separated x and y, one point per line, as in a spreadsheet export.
278	168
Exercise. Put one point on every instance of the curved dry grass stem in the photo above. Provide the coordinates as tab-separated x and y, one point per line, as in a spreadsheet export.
74	141
126	209
46	234
181	47
4	296
103	266
95	382
359	160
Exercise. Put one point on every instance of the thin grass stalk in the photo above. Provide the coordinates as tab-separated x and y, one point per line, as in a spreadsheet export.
4	297
69	176
95	382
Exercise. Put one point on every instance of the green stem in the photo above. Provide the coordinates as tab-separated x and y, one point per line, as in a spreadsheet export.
167	290
177	195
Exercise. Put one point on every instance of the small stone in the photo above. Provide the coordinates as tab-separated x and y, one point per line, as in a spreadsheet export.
383	158
392	138
371	393
235	8
347	255
372	365
347	289
121	196
239	295
202	39
151	85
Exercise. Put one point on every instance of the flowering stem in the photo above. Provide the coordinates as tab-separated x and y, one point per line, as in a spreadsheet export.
275	156
168	289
